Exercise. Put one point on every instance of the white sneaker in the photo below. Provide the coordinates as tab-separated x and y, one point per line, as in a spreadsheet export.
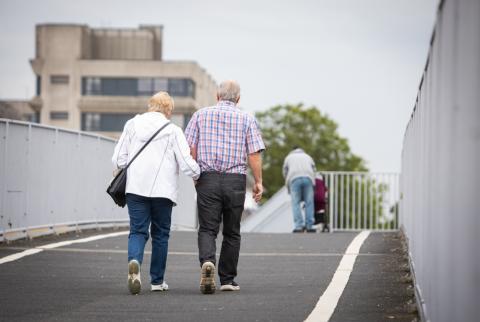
161	287
134	281
233	286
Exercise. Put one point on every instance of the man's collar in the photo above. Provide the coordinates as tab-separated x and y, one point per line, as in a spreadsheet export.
226	103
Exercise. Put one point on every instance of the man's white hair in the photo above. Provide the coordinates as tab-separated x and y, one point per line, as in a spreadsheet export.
228	90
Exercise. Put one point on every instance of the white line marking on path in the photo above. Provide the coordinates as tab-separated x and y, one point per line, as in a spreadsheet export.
31	251
172	253
328	301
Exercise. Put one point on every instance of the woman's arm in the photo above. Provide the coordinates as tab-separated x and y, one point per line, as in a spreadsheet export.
182	154
120	154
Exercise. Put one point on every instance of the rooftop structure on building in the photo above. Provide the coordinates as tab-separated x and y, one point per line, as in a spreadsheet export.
94	79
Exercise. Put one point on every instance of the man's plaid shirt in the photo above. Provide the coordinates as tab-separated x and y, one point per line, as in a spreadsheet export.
224	136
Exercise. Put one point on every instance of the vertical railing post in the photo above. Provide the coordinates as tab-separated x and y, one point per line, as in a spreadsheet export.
347	206
371	192
365	200
330	200
28	172
4	174
354	208
342	201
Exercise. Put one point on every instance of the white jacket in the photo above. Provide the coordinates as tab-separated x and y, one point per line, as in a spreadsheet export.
154	173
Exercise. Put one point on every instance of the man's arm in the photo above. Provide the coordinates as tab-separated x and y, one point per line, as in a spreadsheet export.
193	152
255	162
191	134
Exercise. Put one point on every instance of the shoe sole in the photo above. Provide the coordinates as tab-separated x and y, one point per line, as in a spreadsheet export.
229	288
160	289
207	282
134	284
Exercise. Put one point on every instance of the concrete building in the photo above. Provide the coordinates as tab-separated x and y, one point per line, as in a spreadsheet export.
95	79
17	110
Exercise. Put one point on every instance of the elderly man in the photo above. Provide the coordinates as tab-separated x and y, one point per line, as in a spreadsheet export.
299	174
223	139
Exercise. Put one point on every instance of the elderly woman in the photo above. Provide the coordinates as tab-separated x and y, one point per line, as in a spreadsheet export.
152	185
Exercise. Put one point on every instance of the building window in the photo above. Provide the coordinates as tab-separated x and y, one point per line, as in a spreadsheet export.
186	120
91	86
145	87
191	88
180	87
105	122
59	79
160	85
39	85
59	115
90	121
119	86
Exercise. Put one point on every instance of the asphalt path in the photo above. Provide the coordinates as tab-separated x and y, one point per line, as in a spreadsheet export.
281	276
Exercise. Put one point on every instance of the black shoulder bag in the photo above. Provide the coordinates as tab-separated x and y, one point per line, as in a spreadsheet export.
118	185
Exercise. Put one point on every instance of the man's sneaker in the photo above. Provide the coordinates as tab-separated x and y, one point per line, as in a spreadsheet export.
160	287
134	281
207	281
233	286
311	230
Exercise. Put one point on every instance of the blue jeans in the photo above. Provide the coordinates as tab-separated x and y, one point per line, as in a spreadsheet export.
301	189
142	212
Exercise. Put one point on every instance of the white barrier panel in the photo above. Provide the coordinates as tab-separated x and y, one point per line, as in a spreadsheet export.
440	182
54	179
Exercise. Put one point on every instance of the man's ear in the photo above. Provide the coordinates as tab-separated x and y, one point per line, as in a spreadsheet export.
238	100
218	98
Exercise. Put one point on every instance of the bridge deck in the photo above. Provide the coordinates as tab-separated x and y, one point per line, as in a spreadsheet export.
281	275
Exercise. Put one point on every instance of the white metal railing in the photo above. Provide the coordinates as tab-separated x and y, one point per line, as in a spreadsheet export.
362	200
356	201
440	207
54	180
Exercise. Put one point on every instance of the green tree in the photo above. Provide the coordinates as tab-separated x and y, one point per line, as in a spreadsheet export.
286	126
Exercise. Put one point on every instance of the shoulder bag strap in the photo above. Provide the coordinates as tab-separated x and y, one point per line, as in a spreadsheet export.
146	143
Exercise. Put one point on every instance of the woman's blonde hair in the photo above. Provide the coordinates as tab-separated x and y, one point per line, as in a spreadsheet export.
161	102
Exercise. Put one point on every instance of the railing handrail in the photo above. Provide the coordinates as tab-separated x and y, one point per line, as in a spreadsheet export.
57	128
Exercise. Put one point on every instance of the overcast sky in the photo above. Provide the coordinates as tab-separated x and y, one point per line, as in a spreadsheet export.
360	61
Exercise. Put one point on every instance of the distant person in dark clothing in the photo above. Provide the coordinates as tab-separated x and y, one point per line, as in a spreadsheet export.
299	174
320	200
